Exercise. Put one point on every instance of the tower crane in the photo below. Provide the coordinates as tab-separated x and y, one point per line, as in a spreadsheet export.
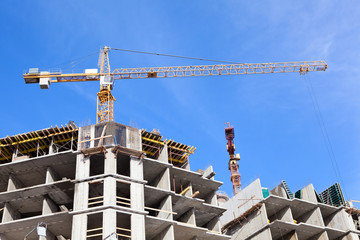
233	159
105	100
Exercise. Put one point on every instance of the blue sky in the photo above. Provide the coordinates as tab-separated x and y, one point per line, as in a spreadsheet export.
277	133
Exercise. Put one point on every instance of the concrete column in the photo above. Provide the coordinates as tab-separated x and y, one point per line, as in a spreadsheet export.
109	222
322	236
9	213
110	163
264	235
279	190
51	175
167	234
136	189
14	183
164	157
212	199
188	217
51	147
308	193
81	194
79	227
284	214
254	222
48	206
137	227
214	225
109	191
190	192
60	237
341	220
164	180
137	199
209	173
82	167
136	168
350	236
313	217
290	236
166	205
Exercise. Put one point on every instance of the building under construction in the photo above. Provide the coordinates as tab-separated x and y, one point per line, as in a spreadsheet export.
110	181
104	180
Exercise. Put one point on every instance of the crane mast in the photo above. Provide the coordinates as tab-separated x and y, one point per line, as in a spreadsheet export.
233	159
105	100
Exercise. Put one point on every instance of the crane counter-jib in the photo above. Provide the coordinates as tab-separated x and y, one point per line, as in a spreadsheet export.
183	71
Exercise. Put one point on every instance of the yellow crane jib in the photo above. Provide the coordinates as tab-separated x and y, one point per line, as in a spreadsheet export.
106	77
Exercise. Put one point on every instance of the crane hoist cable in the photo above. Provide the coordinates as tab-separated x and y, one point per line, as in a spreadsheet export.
324	131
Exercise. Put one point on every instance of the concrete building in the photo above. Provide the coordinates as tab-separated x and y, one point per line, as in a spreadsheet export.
89	182
257	214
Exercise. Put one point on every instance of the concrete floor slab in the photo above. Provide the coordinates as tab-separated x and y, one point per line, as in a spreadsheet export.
153	169
33	171
155	226
334	233
203	212
203	185
153	195
57	190
58	224
327	210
